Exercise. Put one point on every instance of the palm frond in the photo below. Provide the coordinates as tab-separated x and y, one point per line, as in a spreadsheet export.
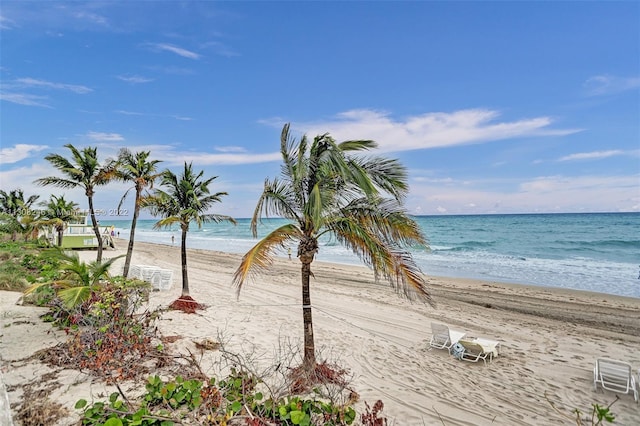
74	296
373	241
260	257
56	181
357	145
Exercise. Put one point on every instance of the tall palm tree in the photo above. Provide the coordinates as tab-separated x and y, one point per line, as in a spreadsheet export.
325	190
82	171
135	168
186	199
57	213
16	214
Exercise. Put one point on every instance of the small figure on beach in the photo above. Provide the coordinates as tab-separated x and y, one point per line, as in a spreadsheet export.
118	234
173	239
289	252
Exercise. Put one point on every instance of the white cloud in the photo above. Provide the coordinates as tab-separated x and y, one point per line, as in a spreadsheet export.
134	79
431	130
6	23
225	159
92	18
123	112
33	82
25	99
595	155
19	152
227	149
175	49
545	194
142	114
105	137
609	84
221	49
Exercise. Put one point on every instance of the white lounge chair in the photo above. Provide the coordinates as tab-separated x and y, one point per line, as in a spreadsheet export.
479	349
616	376
444	338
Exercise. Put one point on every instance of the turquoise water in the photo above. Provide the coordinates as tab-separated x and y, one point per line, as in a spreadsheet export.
596	252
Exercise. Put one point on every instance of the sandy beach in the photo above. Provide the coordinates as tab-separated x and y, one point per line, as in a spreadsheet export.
549	338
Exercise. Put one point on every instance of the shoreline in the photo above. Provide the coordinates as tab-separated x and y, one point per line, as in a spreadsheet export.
550	338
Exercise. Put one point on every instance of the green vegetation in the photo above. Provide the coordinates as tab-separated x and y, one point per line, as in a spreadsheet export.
16	216
323	189
78	279
210	403
22	264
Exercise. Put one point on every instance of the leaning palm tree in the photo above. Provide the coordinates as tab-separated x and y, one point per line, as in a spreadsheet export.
325	190
57	213
186	199
83	171
135	168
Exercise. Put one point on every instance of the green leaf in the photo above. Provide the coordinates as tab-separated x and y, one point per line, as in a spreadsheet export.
297	417
113	397
236	406
113	422
81	404
283	411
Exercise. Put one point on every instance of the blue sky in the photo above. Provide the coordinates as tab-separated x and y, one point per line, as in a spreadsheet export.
494	107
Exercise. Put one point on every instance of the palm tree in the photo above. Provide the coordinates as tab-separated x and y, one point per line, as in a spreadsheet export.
325	190
15	212
187	199
142	172
83	171
57	213
80	279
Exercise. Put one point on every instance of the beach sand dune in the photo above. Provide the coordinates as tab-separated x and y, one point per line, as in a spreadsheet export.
550	339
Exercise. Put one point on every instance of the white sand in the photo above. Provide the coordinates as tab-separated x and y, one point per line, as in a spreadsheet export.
550	339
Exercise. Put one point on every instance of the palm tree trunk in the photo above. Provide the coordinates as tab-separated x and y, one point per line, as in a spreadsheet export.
183	255
96	230
134	221
60	232
309	346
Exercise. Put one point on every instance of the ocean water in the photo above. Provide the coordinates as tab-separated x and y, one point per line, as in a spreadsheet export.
588	251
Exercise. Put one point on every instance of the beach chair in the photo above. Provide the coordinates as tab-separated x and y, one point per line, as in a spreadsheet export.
444	338
478	349
616	376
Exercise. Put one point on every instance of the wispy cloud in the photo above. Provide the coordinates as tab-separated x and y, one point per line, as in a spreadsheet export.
203	158
104	137
6	23
19	152
134	79
25	99
92	18
595	155
175	49
33	82
221	49
123	112
143	114
227	149
605	84
431	130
